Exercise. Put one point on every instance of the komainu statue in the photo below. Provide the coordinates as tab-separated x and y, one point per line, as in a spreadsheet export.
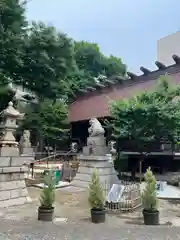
25	139
95	128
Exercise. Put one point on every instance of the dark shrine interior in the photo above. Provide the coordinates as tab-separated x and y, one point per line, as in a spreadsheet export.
159	163
79	131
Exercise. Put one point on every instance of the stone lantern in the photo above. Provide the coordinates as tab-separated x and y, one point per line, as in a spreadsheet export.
13	170
8	144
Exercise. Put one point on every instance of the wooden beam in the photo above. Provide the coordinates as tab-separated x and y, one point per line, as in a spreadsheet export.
145	70
160	65
176	58
131	75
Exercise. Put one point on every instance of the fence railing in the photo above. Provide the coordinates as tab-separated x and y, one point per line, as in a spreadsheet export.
127	196
52	158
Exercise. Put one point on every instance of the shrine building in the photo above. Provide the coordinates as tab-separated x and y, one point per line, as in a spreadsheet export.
95	102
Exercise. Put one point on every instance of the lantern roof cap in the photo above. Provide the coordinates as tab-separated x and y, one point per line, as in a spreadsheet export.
11	111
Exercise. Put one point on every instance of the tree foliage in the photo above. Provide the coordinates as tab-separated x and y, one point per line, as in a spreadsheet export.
92	67
12	29
77	80
48	57
53	120
147	117
90	59
49	120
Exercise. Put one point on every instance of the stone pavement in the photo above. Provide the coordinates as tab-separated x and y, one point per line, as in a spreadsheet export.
30	230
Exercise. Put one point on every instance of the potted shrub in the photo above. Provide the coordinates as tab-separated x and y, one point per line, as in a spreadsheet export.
149	199
47	198
97	199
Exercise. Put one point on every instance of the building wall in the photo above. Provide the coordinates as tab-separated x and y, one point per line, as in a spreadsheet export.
167	46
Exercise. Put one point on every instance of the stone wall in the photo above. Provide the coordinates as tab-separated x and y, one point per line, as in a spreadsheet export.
13	189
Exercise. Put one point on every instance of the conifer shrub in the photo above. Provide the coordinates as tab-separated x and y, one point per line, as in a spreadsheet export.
96	192
149	195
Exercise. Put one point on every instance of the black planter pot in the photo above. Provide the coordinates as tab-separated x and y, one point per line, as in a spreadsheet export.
45	214
151	217
98	215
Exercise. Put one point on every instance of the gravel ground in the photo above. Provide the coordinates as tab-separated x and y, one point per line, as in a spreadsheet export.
71	204
29	230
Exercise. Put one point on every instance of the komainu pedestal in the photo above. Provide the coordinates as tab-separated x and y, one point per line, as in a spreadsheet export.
106	171
95	155
13	189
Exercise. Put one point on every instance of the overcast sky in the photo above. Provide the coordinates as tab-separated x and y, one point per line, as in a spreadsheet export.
126	28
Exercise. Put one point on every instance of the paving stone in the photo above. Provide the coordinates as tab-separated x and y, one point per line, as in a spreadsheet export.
59	220
176	222
72	189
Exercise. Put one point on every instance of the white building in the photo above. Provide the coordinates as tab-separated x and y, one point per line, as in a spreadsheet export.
168	46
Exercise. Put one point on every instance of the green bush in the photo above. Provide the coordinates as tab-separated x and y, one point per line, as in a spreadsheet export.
149	195
47	197
96	192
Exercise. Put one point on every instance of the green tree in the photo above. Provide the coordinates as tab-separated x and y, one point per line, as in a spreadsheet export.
49	121
114	66
77	80
53	121
147	118
48	58
90	59
91	67
12	29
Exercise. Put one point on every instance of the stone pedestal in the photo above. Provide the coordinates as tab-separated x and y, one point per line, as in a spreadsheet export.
8	151
107	174
27	151
94	156
96	146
